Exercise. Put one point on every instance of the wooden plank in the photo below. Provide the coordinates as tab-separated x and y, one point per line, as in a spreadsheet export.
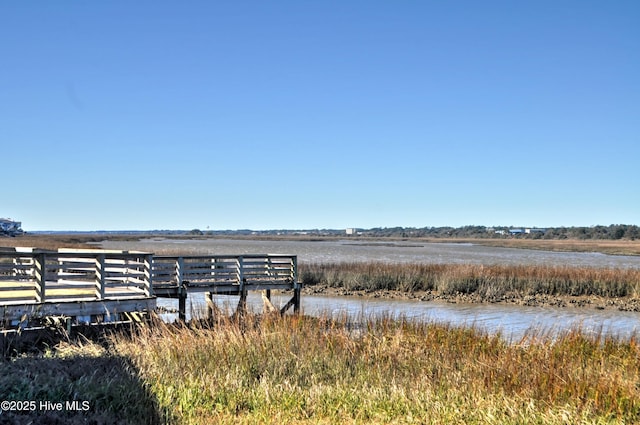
124	285
89	264
166	292
208	273
70	285
169	282
20	297
163	272
71	299
18	292
81	308
5	289
207	263
257	260
229	288
123	270
259	286
11	267
157	287
18	278
125	295
212	272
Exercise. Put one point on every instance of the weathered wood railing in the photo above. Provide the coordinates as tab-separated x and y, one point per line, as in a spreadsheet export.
176	276
38	283
101	284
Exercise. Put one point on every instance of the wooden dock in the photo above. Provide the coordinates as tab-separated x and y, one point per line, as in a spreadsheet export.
101	286
177	276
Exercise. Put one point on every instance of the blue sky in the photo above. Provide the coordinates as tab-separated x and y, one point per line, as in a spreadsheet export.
144	115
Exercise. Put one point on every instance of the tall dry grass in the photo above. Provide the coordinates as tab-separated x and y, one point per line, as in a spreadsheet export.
385	370
105	386
490	282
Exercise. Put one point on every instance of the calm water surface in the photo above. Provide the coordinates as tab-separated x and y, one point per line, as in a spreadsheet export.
394	252
511	321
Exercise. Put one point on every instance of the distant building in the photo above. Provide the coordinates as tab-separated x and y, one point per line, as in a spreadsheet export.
535	230
10	227
351	231
516	231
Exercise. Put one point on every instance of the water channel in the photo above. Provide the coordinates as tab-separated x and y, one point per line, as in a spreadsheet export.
512	321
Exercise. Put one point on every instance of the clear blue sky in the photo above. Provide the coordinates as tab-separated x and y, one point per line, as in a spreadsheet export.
319	114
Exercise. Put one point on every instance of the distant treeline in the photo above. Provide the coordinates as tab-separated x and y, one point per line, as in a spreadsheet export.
613	231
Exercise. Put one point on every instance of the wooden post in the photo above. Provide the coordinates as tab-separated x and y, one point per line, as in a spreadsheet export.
148	274
242	303
296	286
268	306
296	299
240	272
182	291
208	296
179	267
100	276
182	304
40	265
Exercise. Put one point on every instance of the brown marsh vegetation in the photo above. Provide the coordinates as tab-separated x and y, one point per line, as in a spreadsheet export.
614	247
478	283
299	369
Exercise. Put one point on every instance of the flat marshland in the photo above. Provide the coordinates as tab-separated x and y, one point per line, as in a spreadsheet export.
80	240
298	369
615	247
522	284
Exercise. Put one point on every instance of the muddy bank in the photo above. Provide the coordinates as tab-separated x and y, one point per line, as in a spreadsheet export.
595	302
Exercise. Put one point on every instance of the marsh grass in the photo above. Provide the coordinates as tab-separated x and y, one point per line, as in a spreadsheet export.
489	282
85	372
381	370
613	247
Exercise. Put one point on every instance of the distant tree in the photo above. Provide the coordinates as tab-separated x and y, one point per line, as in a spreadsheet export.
633	232
618	233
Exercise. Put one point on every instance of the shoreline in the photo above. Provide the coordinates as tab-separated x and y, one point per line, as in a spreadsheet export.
538	300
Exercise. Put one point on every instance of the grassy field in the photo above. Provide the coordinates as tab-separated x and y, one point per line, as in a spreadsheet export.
306	370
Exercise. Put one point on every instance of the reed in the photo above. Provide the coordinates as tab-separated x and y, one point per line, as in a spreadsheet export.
489	282
381	370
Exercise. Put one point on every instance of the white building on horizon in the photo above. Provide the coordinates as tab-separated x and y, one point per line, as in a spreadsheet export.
10	227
